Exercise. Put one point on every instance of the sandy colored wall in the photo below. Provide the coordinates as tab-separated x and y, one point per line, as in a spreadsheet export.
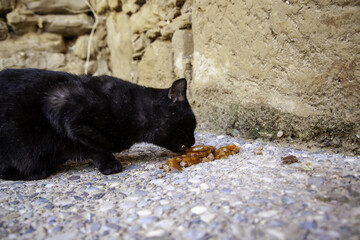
290	66
256	68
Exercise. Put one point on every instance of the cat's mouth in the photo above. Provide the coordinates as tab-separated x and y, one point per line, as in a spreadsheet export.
180	149
177	149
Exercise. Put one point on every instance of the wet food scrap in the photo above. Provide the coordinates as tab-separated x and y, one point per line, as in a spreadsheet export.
258	151
198	154
290	159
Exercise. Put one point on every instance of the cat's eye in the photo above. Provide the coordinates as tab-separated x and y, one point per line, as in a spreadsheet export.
173	114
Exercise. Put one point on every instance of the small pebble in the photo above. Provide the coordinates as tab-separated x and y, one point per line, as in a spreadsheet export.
113	226
207	217
198	210
287	200
42	201
106	206
157	181
309	225
144	213
155	233
99	196
195	235
74	178
95	227
30	230
280	134
317	181
149	219
226	190
57	229
195	180
240	218
128	205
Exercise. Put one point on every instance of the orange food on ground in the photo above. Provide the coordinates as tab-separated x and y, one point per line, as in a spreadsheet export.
173	162
198	154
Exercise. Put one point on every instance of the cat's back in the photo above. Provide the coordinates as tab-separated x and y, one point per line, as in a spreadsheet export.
16	81
22	92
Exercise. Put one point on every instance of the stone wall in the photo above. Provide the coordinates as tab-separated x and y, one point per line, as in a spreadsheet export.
280	70
51	34
287	67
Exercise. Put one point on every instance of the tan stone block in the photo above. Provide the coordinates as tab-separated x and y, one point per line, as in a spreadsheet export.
4	31
33	59
56	6
81	47
131	6
46	42
182	47
156	66
181	22
67	25
153	12
22	21
120	45
115	4
6	6
101	6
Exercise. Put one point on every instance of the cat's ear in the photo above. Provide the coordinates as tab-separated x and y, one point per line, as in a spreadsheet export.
177	92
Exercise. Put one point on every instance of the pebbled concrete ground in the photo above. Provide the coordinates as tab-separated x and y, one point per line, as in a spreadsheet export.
247	196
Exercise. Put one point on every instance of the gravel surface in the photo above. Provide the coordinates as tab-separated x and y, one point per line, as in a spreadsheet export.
247	196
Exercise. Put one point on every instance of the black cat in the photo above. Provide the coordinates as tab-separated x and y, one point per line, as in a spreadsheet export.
48	117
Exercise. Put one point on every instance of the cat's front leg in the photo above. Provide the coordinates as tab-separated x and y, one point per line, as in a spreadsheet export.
106	163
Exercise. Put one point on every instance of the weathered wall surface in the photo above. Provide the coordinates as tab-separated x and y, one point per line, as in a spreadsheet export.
254	67
290	66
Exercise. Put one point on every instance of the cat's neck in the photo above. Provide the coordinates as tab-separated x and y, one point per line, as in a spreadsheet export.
146	106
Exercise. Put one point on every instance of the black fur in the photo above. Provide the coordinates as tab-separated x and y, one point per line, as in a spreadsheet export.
48	117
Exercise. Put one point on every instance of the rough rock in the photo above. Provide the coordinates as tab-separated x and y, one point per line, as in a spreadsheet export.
119	43
138	43
6	6
156	66
102	68
44	51
279	65
181	22
56	6
67	25
182	47
153	12
144	20
33	59
22	21
46	42
115	4
187	6
75	65
81	47
4	31
131	6
100	5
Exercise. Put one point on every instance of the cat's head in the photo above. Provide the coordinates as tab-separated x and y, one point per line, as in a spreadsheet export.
173	119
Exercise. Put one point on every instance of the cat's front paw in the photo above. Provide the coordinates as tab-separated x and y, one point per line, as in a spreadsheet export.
110	167
106	163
